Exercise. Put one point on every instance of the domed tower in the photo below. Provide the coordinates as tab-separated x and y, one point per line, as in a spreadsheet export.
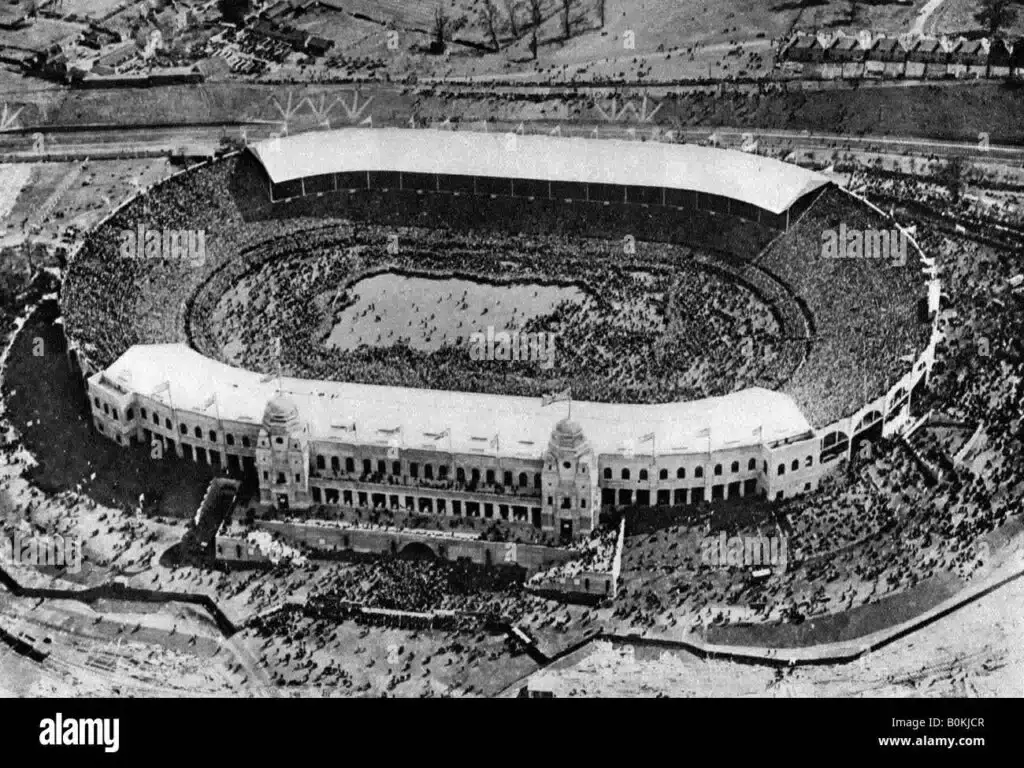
282	456
570	483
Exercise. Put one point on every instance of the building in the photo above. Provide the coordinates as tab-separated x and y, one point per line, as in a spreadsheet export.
684	177
453	453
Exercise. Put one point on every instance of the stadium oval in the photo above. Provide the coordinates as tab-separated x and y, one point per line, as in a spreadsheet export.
493	456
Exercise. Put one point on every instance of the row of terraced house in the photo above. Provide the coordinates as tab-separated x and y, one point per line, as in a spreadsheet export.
834	56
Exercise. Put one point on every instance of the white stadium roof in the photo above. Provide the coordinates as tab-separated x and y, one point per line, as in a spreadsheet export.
523	425
764	182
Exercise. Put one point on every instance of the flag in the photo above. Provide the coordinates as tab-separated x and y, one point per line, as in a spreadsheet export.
447	433
208	402
759	432
706	432
558	397
165	387
494	442
648	438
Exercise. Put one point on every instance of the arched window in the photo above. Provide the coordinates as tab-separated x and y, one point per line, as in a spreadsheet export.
213	436
230	439
681	473
184	429
625	473
698	471
156	419
735	467
245	441
795	465
350	465
321	462
460	475
752	465
607	473
718	470
524	480
490	477
198	433
663	474
643	474
782	469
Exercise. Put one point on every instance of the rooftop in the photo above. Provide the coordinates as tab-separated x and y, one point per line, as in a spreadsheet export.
417	418
767	183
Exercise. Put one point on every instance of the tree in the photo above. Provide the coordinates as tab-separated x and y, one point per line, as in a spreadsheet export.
995	15
440	26
511	6
567	6
536	17
489	12
233	11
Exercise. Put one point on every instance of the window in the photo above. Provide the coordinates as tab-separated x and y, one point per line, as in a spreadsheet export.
396	468
96	400
625	474
681	473
566	465
643	474
129	415
156	419
266	475
795	465
106	409
583	503
735	467
350	465
414	469
718	470
367	466
490	477
663	474
279	440
245	441
607	473
752	465
382	467
280	478
321	462
442	472
213	436
230	439
782	469
809	461
550	501
523	480
298	478
506	478
536	480
698	471
199	433
167	423
114	414
144	412
428	471
184	429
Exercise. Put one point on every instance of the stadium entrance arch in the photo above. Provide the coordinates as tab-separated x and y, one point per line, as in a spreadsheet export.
417	550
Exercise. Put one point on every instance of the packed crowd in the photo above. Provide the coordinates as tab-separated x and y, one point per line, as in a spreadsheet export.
644	332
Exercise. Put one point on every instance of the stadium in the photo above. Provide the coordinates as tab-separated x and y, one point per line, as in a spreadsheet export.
762	392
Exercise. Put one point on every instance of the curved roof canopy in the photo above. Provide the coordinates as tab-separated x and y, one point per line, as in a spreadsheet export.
418	417
769	184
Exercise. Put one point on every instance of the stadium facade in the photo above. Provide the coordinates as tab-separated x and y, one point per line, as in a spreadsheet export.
459	454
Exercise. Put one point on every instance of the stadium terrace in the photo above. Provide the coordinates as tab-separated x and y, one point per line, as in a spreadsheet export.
748	186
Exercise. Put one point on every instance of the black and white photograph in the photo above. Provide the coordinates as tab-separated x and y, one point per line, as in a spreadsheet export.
511	349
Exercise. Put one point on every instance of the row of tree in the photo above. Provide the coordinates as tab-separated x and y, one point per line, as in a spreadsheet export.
490	17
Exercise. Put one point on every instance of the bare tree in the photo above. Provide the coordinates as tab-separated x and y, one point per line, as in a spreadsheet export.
440	26
536	17
567	6
511	6
996	15
489	13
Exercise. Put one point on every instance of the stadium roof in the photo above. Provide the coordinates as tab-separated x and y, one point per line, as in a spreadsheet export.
764	182
418	416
